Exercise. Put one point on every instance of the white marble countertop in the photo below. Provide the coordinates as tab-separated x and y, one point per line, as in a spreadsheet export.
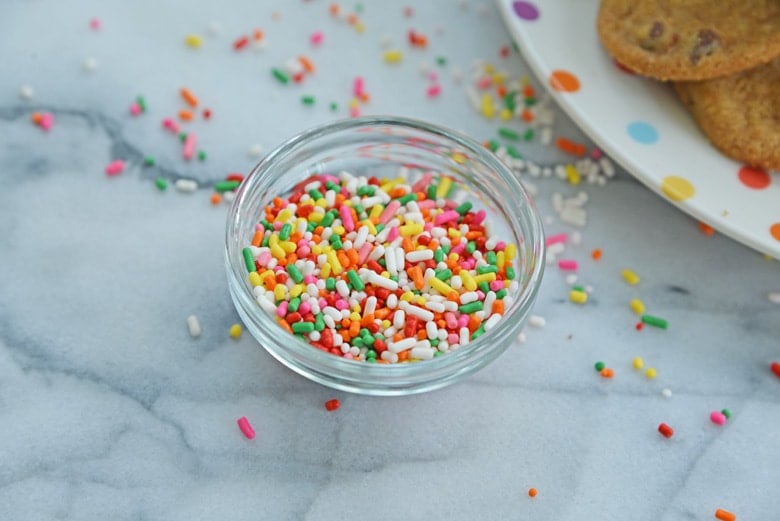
110	410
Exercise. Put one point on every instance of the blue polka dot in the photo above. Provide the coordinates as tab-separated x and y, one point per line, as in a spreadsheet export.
642	132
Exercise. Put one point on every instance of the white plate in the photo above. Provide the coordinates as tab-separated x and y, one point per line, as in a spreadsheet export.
642	125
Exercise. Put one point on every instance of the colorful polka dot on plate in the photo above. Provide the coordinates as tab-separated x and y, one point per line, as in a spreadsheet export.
642	132
526	10
564	81
774	231
755	178
677	188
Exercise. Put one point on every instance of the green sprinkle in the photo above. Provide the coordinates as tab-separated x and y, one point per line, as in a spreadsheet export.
358	8
294	273
484	287
494	145
379	227
437	354
528	135
435	342
407	198
327	219
285	231
357	341
371	360
500	294
294	304
311	227
354	279
359	208
471	307
599	366
509	100
513	152
431	192
267	225
330	284
161	183
249	259
266	241
481	270
336	243
334	106
479	332
464	208
650	320
508	133
445	249
182	136
371	354
578	287
330	185
441	61
319	322
303	327
726	413
471	247
308	100
490	257
438	255
530	102
202	155
149	161
300	337
510	273
225	186
366	190
280	76
444	275
141	103
315	194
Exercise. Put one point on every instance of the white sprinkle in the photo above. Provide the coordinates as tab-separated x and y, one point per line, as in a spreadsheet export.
469	296
382	282
521	337
255	151
26	92
389	356
774	297
214	28
186	185
194	326
422	353
228	196
89	65
536	321
431	330
370	306
401	345
342	288
571	279
415	311
666	393
492	321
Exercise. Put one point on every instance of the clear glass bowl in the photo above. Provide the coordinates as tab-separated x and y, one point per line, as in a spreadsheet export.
380	146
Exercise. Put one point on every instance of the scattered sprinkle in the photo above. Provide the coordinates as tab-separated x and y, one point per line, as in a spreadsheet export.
188	97
718	418
724	515
775	367
607	373
651	320
666	393
774	297
193	40
578	296
599	366
332	405
186	185
537	321
26	92
637	306
532	492
255	151
726	413
637	363
246	427
651	373
630	277
235	331
115	167
665	430
193	326
89	65
161	183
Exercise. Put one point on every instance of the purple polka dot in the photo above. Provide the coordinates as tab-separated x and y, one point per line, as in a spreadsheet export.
526	10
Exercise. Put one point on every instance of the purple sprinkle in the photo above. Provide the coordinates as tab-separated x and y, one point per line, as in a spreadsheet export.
526	10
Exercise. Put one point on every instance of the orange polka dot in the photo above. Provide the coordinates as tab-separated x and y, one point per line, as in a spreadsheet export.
564	81
677	188
755	178
774	231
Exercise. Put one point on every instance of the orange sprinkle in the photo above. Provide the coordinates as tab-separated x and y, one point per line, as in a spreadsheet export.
706	229
498	307
278	202
334	9
474	323
532	492
407	245
258	34
345	322
397	337
257	238
403	355
724	515
343	259
529	91
282	322
308	66
397	192
365	97
36	117
421	334
354	328
367	320
352	19
527	115
295	237
417	277
501	91
569	146
607	373
354	257
189	97
596	254
382	313
216	199
291	258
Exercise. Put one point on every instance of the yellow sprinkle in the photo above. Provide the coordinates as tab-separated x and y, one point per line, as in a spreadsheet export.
468	281
407	296
335	265
296	290
339	230
453	233
489	68
638	363
420	300
315	217
408	230
459	158
354	316
354	103
393	56
385	274
254	279
193	40
440	286
637	306
578	297
500	259
389	185
499	78
485	277
445	185
651	373
235	331
321	203
630	276
360	27
356	308
288	246
277	251
505	114
284	216
572	175
386	323
510	252
375	212
280	291
370	226
325	270
316	249
487	106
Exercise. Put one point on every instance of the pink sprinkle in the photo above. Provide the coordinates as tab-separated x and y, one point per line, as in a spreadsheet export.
171	125
259	227
463	321
341	304
95	23
389	211
567	264
554	239
346	218
500	246
115	167
433	91
484	82
445	217
480	295
479	217
451	320
595	153
264	258
433	76
310	279
364	252
246	428
497	285
354	112
424	181
452	338
718	418
358	86
348	356
281	310
303	251
393	234
47	121
189	146
316	38
458	248
304	308
135	109
323	303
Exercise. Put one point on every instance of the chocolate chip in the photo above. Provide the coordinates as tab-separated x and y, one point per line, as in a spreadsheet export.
706	42
657	29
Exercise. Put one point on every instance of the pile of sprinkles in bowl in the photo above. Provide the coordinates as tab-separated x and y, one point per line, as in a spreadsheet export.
380	270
